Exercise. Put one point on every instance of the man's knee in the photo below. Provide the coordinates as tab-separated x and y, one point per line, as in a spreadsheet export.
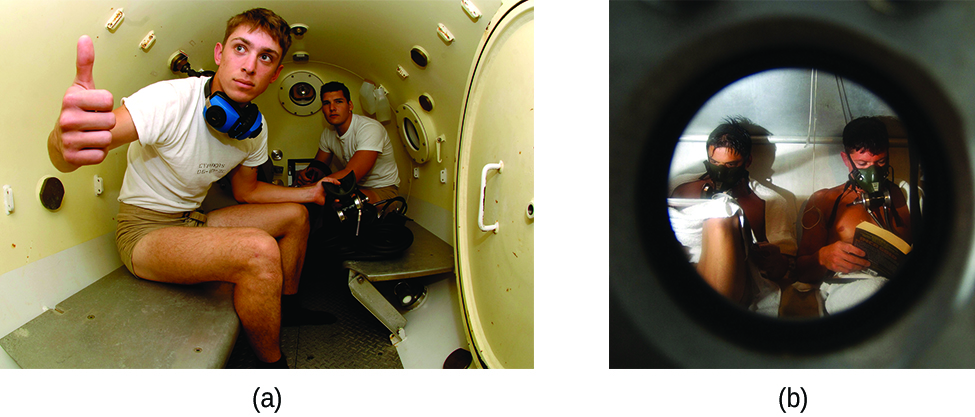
297	213
258	252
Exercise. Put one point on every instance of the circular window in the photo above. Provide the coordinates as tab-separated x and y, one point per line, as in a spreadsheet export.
426	102
729	149
419	56
51	193
298	93
660	98
415	129
695	285
302	94
411	137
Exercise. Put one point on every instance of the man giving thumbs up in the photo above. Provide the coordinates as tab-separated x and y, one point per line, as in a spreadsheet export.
178	149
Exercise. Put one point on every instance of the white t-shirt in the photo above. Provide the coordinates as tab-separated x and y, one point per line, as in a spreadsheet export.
364	134
178	155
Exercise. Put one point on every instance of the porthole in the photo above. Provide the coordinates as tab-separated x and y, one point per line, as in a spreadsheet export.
727	319
415	130
419	56
653	102
51	193
302	94
426	102
741	119
412	138
298	93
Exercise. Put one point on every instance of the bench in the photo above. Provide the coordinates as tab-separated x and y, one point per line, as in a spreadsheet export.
121	321
428	255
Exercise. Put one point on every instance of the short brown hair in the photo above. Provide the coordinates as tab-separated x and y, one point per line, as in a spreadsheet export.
275	26
866	132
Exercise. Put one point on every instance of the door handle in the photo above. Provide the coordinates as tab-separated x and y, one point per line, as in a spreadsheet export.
480	208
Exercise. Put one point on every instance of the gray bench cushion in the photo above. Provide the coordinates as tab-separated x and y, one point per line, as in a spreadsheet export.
121	321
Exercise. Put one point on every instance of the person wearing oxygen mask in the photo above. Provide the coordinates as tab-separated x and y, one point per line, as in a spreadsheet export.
826	252
184	135
730	248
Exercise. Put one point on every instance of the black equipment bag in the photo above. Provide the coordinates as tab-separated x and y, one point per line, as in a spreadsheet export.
355	229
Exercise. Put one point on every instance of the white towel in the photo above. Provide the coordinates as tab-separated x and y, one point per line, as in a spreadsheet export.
780	218
687	218
780	214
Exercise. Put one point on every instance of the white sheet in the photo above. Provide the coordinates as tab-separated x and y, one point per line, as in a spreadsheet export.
687	218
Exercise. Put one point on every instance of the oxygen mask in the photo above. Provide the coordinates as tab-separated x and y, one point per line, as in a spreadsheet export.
724	177
872	179
872	183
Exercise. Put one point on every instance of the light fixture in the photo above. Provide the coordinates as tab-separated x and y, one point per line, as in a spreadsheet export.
299	29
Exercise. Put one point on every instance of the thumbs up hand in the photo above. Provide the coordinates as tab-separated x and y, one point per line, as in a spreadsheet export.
83	134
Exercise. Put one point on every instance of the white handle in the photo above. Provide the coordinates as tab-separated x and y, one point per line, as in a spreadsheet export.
440	139
480	208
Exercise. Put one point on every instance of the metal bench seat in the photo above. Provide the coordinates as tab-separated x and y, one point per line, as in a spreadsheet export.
121	321
428	255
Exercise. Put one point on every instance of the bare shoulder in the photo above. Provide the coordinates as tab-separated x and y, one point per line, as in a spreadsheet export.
824	197
817	207
689	189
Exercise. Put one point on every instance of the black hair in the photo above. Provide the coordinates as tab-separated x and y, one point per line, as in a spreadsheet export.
335	86
731	134
865	133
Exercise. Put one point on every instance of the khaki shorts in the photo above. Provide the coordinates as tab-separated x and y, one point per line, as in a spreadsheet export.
135	222
384	193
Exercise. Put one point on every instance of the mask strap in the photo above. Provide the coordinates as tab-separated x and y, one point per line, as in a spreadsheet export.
836	206
854	173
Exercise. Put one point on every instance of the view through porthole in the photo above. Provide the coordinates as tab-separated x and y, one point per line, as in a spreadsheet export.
791	193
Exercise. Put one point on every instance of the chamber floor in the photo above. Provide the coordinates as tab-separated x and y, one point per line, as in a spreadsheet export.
356	341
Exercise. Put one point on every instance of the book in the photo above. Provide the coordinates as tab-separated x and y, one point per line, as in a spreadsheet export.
885	250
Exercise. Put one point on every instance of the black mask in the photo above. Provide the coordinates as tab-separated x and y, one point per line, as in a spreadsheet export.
724	178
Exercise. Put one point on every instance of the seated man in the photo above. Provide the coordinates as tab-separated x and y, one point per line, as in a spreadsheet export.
769	221
360	145
826	251
178	147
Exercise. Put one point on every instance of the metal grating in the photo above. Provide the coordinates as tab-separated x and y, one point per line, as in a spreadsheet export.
356	341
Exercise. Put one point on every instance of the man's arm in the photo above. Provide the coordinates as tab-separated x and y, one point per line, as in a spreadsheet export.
770	259
311	174
777	256
247	189
87	127
361	162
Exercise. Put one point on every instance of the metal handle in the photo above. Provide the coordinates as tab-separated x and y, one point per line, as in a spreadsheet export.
480	208
440	139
